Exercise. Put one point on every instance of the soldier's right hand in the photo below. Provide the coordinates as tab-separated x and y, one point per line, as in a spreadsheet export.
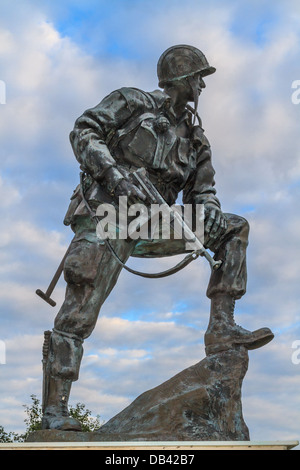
126	188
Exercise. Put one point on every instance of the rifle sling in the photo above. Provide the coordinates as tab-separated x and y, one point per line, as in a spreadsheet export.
178	267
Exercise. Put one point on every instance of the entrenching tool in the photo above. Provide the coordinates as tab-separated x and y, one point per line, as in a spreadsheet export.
47	295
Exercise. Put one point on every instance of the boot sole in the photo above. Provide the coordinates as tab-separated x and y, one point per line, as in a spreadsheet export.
61	424
262	337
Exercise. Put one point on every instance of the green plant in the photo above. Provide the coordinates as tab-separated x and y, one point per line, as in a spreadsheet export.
33	420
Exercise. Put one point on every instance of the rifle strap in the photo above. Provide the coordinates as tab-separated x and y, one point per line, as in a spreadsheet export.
179	266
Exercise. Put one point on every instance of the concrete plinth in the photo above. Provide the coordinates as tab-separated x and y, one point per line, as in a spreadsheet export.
149	446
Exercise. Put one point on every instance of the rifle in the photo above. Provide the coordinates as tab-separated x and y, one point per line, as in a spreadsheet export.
176	221
181	227
188	235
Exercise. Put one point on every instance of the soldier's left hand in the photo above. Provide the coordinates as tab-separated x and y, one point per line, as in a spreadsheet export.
215	225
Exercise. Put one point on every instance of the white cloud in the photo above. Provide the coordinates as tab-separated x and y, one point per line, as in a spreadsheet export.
9	194
7	42
115	330
32	237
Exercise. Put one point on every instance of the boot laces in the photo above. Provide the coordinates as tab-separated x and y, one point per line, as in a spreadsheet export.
239	327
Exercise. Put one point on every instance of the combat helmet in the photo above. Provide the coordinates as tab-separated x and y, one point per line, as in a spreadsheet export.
181	61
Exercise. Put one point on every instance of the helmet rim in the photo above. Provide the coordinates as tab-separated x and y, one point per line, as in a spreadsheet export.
205	69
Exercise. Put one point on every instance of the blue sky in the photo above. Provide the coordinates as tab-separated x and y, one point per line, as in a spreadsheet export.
60	58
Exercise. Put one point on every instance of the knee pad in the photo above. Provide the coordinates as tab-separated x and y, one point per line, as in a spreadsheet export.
238	224
81	265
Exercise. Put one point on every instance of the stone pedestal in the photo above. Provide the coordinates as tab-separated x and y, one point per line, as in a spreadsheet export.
201	403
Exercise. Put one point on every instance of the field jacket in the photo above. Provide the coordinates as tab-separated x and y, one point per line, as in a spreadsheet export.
130	129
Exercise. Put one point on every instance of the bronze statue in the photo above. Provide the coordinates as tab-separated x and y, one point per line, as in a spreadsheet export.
158	131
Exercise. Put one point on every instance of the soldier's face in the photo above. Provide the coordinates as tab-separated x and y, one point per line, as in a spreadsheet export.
190	86
196	83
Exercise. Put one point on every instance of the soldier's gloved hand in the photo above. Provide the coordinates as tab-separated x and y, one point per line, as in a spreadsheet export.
126	188
215	225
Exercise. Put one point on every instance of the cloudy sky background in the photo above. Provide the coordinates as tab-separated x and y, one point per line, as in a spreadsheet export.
60	58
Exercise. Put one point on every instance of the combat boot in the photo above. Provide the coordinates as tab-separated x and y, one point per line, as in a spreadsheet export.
56	413
62	354
223	333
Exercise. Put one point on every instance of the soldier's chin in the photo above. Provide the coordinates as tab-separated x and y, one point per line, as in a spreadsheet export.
193	99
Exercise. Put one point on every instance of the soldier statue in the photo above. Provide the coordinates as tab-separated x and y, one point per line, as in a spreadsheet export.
162	133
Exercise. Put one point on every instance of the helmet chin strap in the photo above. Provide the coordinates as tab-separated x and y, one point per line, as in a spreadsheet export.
194	84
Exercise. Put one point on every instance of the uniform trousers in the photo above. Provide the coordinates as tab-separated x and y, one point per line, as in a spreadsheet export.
91	272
